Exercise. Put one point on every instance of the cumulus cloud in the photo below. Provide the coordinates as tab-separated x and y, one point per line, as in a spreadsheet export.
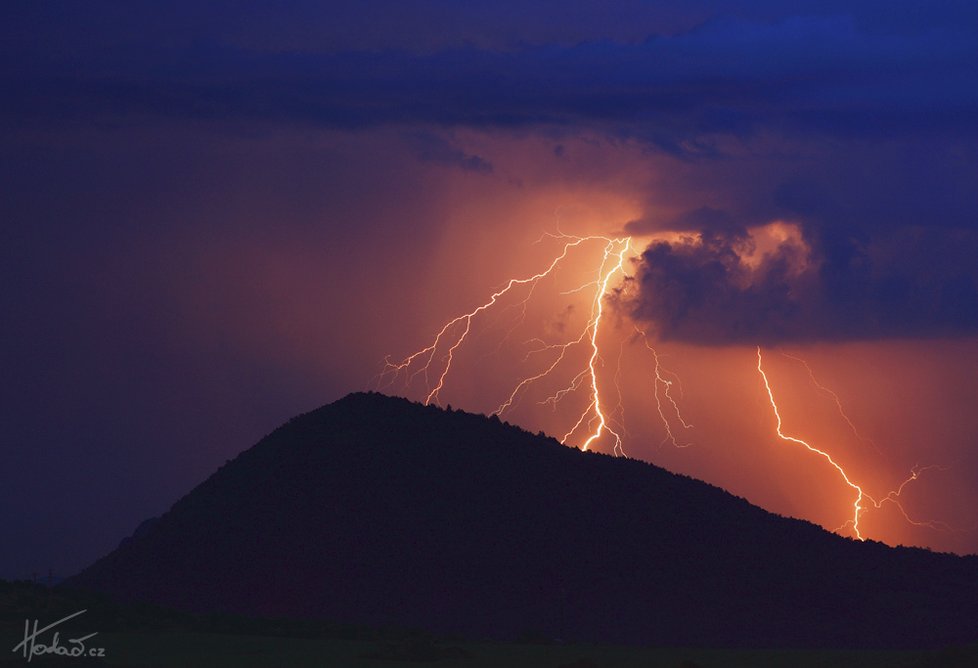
704	218
717	288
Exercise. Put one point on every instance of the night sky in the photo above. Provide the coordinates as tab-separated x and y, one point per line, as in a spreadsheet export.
215	216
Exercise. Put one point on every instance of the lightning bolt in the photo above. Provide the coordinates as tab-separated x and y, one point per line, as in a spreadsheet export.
563	348
858	508
455	332
620	410
595	355
838	402
894	498
435	361
667	386
427	354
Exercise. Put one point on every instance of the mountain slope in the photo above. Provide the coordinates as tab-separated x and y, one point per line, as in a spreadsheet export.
375	510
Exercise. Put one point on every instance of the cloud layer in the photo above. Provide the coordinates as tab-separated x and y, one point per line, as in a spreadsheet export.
858	122
823	74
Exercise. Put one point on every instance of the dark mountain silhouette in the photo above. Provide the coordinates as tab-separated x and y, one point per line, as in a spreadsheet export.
378	511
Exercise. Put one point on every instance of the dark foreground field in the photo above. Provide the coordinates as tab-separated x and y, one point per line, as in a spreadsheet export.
382	513
147	636
436	537
214	650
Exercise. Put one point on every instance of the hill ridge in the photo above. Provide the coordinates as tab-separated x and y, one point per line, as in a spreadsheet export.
377	510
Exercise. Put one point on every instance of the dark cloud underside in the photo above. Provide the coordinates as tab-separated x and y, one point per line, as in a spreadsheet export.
704	293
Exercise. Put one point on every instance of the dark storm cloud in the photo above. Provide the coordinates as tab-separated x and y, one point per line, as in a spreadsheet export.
704	218
731	76
892	235
917	284
859	120
872	107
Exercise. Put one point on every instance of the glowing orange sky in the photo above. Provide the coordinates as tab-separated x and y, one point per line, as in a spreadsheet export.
733	442
911	398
